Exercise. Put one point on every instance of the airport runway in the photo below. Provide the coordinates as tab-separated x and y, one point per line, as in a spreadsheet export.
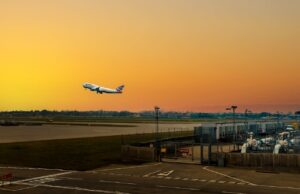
48	132
149	178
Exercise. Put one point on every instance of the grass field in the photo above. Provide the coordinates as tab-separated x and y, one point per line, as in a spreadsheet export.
74	154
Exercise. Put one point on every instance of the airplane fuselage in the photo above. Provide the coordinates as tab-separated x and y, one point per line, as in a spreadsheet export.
100	89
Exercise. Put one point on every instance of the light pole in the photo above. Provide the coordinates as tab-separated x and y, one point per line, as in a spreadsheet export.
233	108
156	108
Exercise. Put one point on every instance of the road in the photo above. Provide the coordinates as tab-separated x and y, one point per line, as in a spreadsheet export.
149	178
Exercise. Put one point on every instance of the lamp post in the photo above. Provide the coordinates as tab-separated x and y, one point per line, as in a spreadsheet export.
233	108
156	109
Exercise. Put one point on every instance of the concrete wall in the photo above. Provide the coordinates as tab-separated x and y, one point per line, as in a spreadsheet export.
264	160
138	154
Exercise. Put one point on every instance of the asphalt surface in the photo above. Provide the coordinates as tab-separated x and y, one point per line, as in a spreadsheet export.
148	178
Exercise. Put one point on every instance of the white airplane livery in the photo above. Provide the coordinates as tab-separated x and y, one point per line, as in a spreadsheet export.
100	89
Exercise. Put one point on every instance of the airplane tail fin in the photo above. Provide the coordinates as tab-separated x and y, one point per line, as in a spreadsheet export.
120	88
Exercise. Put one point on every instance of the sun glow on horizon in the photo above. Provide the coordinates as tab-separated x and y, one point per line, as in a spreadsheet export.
182	55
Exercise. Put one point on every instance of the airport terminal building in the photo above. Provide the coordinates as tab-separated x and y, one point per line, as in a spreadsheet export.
227	132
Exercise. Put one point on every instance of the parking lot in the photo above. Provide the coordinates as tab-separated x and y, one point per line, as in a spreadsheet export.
148	178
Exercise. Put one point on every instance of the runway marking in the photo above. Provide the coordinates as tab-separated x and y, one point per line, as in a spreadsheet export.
76	188
41	177
180	178
166	173
124	168
225	175
278	187
44	180
229	192
151	173
243	182
180	188
117	182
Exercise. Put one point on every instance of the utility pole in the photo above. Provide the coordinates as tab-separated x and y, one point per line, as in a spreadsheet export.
157	147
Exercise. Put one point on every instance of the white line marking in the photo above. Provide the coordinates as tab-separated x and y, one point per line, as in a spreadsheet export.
123	168
231	182
76	188
212	181
229	192
29	187
195	179
221	182
249	183
177	178
240	180
116	182
278	187
181	188
44	180
166	173
185	179
151	173
41	177
203	180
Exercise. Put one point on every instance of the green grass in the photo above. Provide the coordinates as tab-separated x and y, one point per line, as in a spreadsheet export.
74	154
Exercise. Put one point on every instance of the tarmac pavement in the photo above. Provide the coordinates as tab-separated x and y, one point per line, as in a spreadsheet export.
148	178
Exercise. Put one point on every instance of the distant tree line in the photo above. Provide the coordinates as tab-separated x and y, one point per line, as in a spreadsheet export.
143	114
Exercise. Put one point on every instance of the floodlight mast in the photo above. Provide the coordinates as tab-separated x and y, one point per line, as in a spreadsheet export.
156	109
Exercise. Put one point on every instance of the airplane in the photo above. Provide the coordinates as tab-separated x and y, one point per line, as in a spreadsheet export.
100	89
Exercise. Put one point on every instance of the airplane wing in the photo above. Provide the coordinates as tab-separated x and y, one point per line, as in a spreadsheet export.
95	87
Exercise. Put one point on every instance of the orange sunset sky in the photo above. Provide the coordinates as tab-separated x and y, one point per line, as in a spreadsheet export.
183	55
